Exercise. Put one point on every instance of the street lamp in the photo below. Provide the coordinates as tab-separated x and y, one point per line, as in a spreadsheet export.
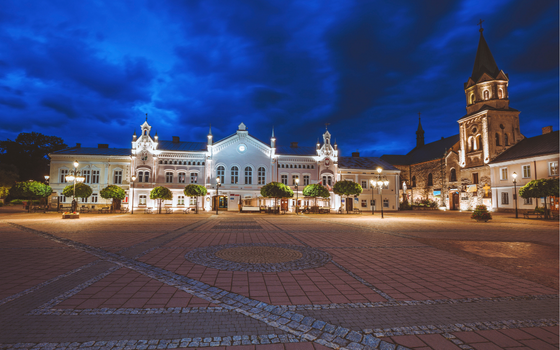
372	186
297	194
75	176
217	194
47	179
379	184
515	192
133	178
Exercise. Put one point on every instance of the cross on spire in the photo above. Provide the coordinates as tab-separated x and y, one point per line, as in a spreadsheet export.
327	126
480	24
146	116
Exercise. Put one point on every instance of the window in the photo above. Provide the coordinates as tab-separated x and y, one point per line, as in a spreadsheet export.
497	139
220	174
472	99
527	201
182	178
430	179
117	177
553	169
62	199
284	179
486	94
234	175
95	176
327	181
140	176
294	179
306	179
372	202
168	177
313	167
505	198
364	184
181	200
142	199
248	175
506	140
192	200
364	203
500	93
84	199
87	175
261	176
63	173
526	171
194	178
414	181
94	198
503	174
385	203
475	178
146	176
453	175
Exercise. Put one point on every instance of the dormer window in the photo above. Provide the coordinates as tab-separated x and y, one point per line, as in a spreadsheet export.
145	132
486	94
500	93
472	99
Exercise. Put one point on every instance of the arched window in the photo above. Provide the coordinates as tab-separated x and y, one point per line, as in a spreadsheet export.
453	175
486	94
478	142
234	175
220	173
248	175
500	93
414	181
497	139
262	176
145	132
506	140
470	144
430	179
472	99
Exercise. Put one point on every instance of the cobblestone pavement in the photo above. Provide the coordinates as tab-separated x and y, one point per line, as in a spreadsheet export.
315	281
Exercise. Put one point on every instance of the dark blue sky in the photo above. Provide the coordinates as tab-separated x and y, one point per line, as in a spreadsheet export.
89	73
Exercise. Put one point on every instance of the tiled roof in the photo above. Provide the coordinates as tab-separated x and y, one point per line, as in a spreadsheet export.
296	151
531	147
430	151
95	151
489	108
369	163
181	146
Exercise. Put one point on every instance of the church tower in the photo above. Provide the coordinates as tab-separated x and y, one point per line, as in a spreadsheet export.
490	125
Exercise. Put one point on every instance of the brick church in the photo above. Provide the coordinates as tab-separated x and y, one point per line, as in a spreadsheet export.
456	171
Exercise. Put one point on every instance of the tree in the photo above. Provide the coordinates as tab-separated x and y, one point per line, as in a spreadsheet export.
30	190
276	190
347	188
539	189
29	154
82	190
8	177
193	190
113	192
161	193
316	190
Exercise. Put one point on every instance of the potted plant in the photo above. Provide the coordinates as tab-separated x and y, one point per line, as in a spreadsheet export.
481	214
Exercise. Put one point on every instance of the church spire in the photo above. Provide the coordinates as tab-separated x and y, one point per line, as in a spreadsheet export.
209	136
419	134
484	61
273	139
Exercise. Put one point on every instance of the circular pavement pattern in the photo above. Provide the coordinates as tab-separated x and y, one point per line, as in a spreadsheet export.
258	257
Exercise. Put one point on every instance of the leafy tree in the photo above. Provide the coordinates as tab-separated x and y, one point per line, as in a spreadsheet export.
316	190
82	190
193	190
30	190
276	190
29	154
8	177
113	192
539	189
161	193
347	188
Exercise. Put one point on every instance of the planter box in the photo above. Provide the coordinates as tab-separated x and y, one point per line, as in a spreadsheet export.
70	216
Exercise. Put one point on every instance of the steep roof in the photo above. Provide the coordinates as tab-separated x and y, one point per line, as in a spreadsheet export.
489	108
484	61
181	146
296	151
430	151
95	151
531	147
365	163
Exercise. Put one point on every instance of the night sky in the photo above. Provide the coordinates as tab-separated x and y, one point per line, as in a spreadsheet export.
89	73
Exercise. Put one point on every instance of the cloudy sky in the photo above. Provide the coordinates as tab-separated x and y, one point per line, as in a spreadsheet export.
89	73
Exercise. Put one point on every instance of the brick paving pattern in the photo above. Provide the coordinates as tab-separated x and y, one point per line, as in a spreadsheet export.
125	282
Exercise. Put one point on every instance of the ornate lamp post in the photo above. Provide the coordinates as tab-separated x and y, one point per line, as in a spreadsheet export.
217	194
47	177
372	186
514	175
75	176
133	178
380	182
297	194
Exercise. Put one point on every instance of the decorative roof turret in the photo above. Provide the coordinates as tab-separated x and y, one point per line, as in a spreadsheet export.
419	134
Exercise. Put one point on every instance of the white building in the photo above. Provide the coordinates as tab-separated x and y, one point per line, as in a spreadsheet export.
242	162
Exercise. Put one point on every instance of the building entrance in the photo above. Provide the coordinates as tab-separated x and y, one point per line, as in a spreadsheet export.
454	205
220	202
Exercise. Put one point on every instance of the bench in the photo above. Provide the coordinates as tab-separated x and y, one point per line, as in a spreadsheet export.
37	208
105	210
356	211
168	210
527	214
250	209
83	210
64	209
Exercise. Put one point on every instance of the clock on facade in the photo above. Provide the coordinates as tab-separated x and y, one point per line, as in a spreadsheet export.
241	148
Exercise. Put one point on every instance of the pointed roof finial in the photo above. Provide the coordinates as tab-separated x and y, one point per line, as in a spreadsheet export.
146	116
272	132
156	133
134	132
484	61
480	24
327	126
210	130
419	124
